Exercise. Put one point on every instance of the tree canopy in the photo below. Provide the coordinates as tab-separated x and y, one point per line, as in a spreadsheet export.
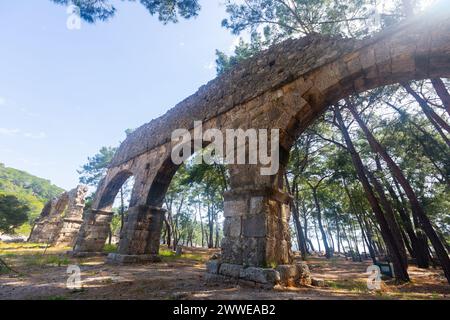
13	213
166	10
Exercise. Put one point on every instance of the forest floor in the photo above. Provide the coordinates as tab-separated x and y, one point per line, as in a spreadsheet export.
42	274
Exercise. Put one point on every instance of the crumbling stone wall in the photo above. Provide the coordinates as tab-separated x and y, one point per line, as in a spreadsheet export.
60	219
285	87
73	218
47	226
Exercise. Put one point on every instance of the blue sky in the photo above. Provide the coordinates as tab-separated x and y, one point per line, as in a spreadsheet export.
64	94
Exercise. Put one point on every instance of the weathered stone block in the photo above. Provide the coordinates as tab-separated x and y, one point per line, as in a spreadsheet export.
142	231
304	275
257	205
232	250
232	227
213	266
234	208
260	275
318	282
288	274
230	270
254	226
254	253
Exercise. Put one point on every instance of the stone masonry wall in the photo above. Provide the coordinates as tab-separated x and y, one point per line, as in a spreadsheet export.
73	217
61	218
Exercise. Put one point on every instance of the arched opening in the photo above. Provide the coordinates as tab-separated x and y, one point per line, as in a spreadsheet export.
116	198
364	175
108	195
192	194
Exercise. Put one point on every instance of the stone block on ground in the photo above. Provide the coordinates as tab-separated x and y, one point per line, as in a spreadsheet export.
260	275
288	274
213	266
304	274
230	270
318	282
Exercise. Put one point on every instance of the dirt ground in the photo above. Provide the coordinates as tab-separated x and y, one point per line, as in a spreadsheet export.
42	274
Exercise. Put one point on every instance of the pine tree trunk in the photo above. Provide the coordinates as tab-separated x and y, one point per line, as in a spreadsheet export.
355	241
344	232
435	120
337	231
328	253
211	228
389	214
442	92
296	216
317	235
415	204
400	268
419	252
201	223
367	239
305	225
300	236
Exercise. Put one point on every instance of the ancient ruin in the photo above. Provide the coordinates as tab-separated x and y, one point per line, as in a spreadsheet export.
61	219
286	87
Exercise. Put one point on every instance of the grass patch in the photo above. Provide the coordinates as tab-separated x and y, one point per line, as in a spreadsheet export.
169	255
20	245
348	285
110	248
193	256
39	260
4	270
166	253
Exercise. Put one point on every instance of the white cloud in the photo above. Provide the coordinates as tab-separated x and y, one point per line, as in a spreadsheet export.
9	132
29	135
2	101
182	44
37	136
28	113
5	150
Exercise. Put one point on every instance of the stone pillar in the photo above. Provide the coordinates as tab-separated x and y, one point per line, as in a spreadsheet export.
73	218
50	221
257	244
140	237
71	226
45	230
93	233
256	228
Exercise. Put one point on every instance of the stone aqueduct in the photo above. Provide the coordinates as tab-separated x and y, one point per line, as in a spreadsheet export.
286	88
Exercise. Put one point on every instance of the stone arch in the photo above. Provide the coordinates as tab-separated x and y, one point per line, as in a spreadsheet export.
140	239
112	188
97	222
161	183
287	87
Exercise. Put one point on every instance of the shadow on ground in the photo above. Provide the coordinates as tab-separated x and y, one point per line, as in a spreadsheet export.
42	274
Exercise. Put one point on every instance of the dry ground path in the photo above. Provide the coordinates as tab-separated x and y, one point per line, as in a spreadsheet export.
43	276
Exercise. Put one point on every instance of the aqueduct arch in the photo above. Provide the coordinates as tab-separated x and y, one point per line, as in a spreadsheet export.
285	87
96	225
